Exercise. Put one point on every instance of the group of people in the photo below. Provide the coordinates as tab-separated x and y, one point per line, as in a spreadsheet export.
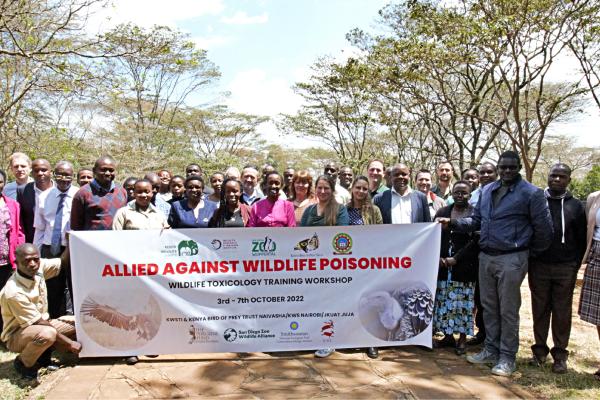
496	228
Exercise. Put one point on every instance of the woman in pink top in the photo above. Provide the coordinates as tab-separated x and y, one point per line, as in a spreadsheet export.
272	211
11	234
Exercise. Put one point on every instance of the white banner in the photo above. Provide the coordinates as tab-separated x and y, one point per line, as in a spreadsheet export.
254	289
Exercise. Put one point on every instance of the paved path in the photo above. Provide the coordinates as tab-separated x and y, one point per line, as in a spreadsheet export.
408	373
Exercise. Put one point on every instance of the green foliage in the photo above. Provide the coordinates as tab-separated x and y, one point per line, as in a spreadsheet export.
581	188
459	81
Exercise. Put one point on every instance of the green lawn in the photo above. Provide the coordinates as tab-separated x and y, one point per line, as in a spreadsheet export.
11	387
584	359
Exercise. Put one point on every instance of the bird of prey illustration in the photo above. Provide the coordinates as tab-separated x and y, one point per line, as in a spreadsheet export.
389	310
141	323
309	244
417	303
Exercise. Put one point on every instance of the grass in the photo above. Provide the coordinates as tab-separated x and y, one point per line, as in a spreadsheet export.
11	386
578	383
584	358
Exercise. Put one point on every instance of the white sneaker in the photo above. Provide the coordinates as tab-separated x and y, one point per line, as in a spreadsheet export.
483	357
324	353
504	368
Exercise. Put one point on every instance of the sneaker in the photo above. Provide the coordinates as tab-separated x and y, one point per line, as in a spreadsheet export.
29	373
504	368
132	360
324	353
483	357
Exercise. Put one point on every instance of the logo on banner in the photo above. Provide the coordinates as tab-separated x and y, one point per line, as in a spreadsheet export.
264	247
327	329
200	334
230	334
294	335
308	245
342	244
224	244
187	248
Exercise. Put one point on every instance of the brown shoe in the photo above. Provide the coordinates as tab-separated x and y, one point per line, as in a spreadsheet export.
559	367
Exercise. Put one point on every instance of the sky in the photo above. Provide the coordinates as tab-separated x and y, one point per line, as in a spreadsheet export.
263	47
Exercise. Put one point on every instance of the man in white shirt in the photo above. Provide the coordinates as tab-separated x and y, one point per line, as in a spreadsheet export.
28	196
51	223
401	204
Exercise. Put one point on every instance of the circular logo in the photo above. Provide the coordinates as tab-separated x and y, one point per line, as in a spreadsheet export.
230	334
294	325
216	244
342	243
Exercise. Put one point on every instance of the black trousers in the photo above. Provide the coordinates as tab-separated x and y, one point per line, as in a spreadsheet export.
60	301
552	287
479	311
6	272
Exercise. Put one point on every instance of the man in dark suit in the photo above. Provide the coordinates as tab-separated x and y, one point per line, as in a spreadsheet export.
28	196
401	204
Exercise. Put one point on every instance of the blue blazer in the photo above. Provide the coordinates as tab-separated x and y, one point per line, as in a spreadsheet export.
418	202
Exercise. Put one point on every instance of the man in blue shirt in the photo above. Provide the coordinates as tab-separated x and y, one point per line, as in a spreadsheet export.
514	220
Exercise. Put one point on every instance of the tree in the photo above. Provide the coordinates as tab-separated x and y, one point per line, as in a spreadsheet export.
216	132
337	111
558	148
473	75
584	187
525	54
44	51
159	71
585	45
432	85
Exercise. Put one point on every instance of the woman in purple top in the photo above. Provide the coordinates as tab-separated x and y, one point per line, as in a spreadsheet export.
272	211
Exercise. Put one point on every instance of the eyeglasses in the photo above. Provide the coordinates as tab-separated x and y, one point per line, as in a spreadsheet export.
509	167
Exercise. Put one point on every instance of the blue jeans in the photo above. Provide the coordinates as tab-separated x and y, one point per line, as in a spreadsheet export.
500	279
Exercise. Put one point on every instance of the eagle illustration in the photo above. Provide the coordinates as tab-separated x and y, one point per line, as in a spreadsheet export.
417	301
143	323
309	244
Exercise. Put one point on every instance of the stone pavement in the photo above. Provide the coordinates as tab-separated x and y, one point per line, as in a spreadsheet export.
401	373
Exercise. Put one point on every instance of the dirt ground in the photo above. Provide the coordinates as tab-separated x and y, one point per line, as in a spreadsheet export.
399	373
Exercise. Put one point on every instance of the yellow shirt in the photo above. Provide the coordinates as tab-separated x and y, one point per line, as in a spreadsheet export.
131	217
24	301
